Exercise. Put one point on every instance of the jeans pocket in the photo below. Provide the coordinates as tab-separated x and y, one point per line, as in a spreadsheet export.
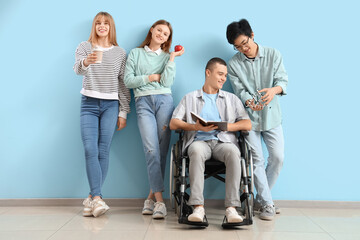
137	99
84	98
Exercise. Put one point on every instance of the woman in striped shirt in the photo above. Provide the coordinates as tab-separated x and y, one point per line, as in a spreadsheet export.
104	103
150	72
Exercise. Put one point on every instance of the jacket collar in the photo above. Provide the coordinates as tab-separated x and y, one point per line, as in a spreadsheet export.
260	54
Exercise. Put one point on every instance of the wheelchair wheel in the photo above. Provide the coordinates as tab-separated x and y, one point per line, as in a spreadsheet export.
251	185
174	174
177	209
171	178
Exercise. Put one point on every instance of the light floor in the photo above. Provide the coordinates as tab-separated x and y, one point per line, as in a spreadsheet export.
127	223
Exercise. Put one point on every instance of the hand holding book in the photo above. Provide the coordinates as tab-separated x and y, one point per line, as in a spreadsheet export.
222	126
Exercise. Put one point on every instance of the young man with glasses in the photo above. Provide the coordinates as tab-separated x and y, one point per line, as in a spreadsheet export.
258	76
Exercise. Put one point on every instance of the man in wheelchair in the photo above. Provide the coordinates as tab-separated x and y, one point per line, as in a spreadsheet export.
205	142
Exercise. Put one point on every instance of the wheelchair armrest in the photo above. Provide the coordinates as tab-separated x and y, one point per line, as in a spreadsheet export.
244	133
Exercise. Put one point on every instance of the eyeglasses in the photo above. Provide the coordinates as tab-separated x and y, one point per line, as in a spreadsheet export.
245	44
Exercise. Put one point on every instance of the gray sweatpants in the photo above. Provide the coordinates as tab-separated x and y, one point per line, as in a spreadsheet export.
229	153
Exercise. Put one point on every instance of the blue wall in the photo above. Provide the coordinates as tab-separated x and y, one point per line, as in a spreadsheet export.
41	153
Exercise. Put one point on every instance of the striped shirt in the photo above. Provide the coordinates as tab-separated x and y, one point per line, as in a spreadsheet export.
104	80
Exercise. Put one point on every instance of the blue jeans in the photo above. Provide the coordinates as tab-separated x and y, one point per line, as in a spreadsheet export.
265	178
153	115
98	120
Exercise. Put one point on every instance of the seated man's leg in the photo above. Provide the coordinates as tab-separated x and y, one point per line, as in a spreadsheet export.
229	153
199	152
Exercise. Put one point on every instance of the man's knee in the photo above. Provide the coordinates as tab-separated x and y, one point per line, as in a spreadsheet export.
197	152
197	155
277	158
231	153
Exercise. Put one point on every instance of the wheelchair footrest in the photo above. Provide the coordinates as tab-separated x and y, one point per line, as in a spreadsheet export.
184	220
228	225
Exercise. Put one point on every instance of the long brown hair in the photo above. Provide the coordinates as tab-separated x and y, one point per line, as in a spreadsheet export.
93	39
166	45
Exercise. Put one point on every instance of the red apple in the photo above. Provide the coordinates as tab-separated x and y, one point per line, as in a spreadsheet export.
178	48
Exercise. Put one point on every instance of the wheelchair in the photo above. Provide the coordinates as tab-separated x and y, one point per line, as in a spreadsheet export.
179	178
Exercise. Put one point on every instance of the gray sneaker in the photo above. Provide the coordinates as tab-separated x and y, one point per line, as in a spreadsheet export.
257	208
277	210
148	207
159	210
267	212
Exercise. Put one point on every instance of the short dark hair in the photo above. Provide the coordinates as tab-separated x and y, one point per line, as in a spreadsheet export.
210	64
236	29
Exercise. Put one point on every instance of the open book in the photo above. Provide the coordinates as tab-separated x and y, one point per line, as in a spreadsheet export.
222	126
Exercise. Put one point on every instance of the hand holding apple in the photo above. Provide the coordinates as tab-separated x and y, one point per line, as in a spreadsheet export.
179	50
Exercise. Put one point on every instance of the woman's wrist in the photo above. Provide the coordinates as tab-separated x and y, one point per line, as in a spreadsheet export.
85	63
172	57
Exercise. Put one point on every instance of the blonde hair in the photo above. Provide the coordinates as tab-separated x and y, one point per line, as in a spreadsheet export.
166	45
93	39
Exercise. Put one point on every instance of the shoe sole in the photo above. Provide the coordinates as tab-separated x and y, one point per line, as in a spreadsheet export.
277	211
267	218
195	219
99	212
146	212
235	221
158	216
87	214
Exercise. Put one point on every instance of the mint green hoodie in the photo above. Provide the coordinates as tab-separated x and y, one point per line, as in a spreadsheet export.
140	64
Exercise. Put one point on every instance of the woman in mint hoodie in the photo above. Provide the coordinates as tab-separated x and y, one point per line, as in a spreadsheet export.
150	72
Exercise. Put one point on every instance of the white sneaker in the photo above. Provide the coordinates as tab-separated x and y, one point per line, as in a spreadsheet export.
232	215
99	207
197	215
159	210
87	211
148	207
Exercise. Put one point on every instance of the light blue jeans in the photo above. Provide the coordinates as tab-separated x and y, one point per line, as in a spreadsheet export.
153	115
97	120
265	178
